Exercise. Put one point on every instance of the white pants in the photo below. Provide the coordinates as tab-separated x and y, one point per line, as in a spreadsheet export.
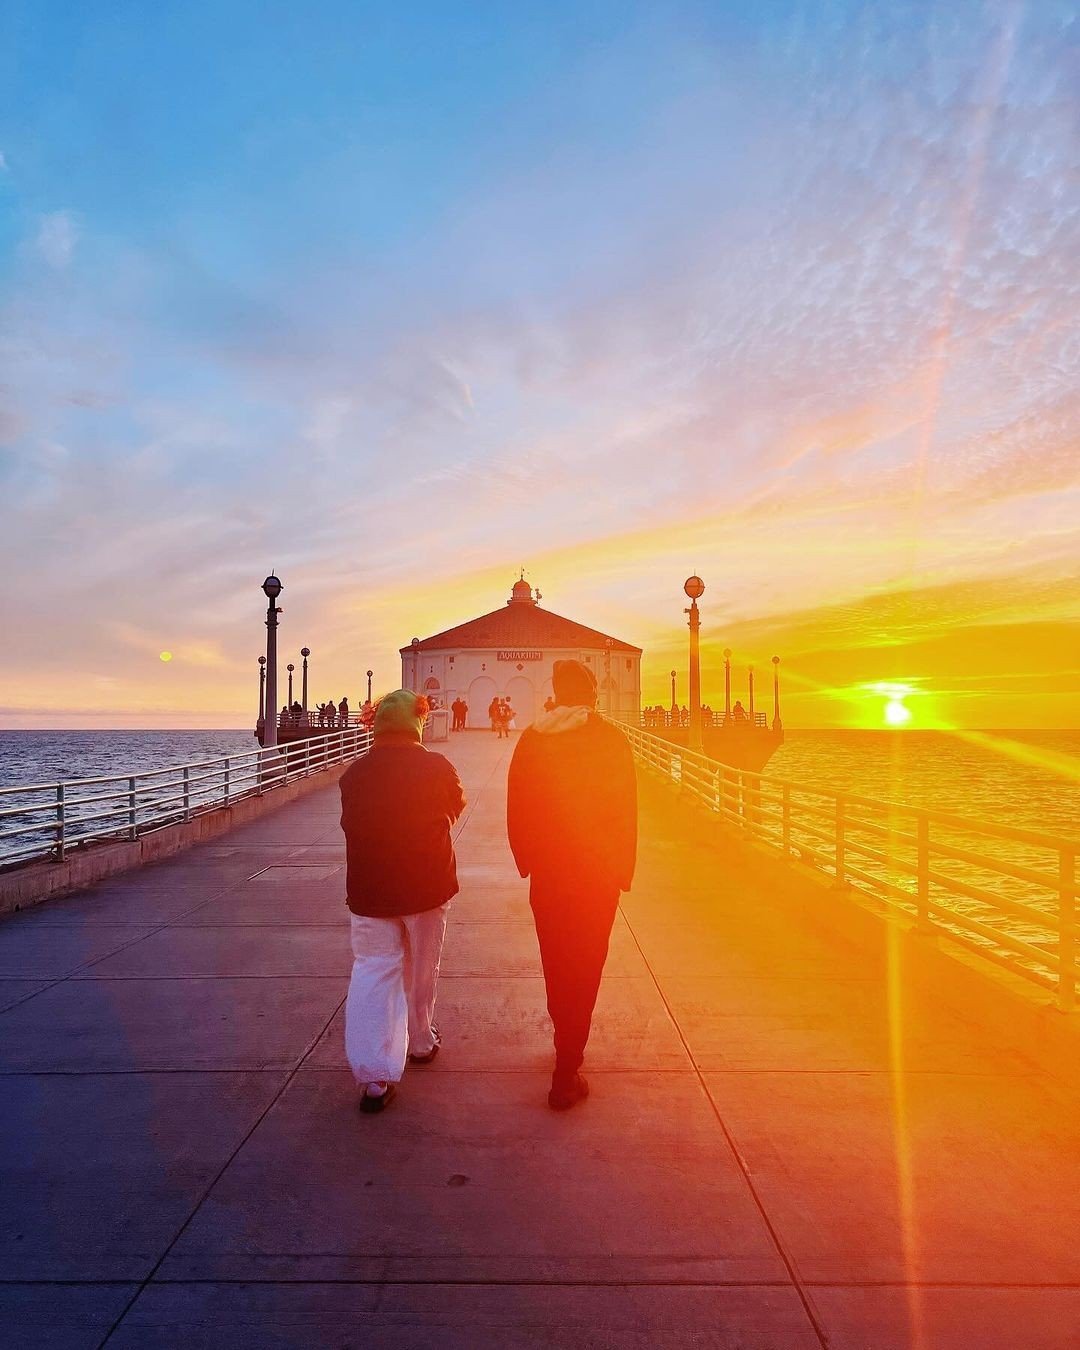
392	992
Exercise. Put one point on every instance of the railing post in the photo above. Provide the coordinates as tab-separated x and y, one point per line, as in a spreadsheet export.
259	774
228	767
1067	930
307	756
785	824
840	882
132	831
187	793
60	815
922	874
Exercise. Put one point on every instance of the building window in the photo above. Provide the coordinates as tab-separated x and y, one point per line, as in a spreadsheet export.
629	665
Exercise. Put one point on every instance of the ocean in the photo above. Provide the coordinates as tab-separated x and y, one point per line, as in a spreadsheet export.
1025	778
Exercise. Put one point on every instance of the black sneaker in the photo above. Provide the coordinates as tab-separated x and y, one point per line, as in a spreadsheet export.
426	1059
565	1095
372	1103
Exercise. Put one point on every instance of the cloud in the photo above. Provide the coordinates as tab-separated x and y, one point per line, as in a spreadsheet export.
57	235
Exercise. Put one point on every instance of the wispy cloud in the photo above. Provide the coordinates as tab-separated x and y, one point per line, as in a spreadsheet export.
57	235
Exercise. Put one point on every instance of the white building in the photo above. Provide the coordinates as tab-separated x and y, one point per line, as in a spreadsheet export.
510	652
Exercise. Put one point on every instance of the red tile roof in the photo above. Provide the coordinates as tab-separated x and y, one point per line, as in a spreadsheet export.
524	626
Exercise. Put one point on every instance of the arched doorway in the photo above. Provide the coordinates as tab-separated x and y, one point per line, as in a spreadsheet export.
521	694
481	692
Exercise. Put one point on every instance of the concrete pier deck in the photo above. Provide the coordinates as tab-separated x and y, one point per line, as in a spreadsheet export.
787	1145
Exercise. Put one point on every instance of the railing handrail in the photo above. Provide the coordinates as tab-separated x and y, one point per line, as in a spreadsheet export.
766	809
195	787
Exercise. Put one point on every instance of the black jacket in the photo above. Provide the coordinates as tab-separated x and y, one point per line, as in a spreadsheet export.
397	805
571	805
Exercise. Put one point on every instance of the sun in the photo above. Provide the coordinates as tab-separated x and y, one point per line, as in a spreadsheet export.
164	656
897	714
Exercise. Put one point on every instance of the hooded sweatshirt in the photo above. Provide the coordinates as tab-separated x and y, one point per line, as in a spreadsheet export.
571	804
398	803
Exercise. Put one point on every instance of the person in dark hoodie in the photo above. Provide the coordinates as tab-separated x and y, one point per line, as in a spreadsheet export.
571	817
398	803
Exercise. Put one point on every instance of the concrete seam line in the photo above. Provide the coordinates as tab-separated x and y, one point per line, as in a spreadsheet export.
143	1284
789	1263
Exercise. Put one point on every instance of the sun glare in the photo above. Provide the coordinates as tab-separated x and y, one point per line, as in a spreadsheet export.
165	656
897	714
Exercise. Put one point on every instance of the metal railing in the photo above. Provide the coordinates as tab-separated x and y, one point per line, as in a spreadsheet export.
651	718
46	821
1008	894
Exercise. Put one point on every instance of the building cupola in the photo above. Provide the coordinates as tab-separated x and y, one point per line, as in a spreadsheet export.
522	593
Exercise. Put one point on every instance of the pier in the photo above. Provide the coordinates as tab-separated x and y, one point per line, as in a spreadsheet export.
808	1126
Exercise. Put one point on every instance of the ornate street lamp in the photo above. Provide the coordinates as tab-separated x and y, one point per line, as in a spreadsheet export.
305	652
695	588
262	692
290	668
777	725
750	674
271	588
727	685
369	675
674	705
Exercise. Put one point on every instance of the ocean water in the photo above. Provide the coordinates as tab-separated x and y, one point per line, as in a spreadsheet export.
31	757
1029	779
1025	778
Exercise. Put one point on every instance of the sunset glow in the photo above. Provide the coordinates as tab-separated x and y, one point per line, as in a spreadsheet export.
618	298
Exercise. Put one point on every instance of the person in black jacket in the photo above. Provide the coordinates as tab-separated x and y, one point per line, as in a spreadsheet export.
571	816
398	803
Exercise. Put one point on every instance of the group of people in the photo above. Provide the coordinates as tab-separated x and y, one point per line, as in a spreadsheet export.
571	819
460	709
660	716
332	714
502	717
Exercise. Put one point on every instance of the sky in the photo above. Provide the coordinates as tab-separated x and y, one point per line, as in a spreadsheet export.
397	300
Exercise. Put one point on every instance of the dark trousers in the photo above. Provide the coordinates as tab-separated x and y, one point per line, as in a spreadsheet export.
573	925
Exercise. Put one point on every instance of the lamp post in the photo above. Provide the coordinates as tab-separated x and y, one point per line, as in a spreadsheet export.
369	675
262	692
290	668
695	587
305	652
674	705
607	675
727	685
750	673
271	588
777	725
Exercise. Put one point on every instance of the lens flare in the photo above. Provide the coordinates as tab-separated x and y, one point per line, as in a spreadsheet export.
897	714
165	656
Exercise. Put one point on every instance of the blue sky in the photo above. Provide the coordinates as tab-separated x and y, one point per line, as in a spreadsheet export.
397	298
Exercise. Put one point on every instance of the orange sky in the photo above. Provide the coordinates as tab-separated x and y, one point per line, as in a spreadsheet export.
716	293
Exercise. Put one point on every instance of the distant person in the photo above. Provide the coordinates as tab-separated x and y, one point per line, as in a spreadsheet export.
283	716
738	712
502	720
511	717
549	704
343	712
571	817
331	712
493	714
464	715
398	803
